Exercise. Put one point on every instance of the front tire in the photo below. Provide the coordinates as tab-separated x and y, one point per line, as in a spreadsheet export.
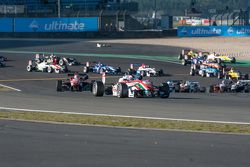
85	69
61	62
49	70
29	68
122	90
57	71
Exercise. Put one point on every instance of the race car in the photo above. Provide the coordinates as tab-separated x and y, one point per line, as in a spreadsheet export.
174	85
101	45
216	65
2	58
227	85
188	87
68	61
235	75
206	71
75	82
132	88
2	61
241	86
189	56
144	70
223	86
221	58
58	60
2	64
100	68
42	65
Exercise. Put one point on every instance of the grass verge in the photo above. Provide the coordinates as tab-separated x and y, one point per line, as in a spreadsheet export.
4	89
126	122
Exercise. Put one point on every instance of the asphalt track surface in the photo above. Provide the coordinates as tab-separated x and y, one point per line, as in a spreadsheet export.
38	89
50	145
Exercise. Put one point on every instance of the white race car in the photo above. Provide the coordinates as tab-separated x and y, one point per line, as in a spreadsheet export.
44	66
144	70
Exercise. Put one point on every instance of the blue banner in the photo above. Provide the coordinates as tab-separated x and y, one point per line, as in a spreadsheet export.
211	31
6	25
56	24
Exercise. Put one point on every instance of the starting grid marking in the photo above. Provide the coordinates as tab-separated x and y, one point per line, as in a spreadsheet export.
126	116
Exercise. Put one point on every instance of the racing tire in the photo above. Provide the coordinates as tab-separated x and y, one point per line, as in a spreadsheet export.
184	62
203	89
160	72
180	57
143	73
98	89
177	88
61	62
59	86
29	68
131	71
164	91
57	71
85	69
211	89
205	57
246	77
118	70
49	70
192	72
233	60
219	75
122	90
203	74
227	77
218	60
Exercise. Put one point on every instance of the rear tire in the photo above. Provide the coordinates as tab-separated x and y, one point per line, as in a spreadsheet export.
233	60
98	89
164	90
59	86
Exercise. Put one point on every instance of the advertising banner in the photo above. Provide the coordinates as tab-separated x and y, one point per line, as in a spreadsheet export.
211	31
56	24
6	25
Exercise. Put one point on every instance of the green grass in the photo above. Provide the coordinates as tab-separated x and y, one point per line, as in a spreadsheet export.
126	122
4	89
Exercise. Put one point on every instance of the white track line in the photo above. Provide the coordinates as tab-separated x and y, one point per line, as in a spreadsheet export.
125	116
9	87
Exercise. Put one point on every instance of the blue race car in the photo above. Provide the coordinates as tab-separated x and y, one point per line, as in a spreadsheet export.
208	72
101	68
